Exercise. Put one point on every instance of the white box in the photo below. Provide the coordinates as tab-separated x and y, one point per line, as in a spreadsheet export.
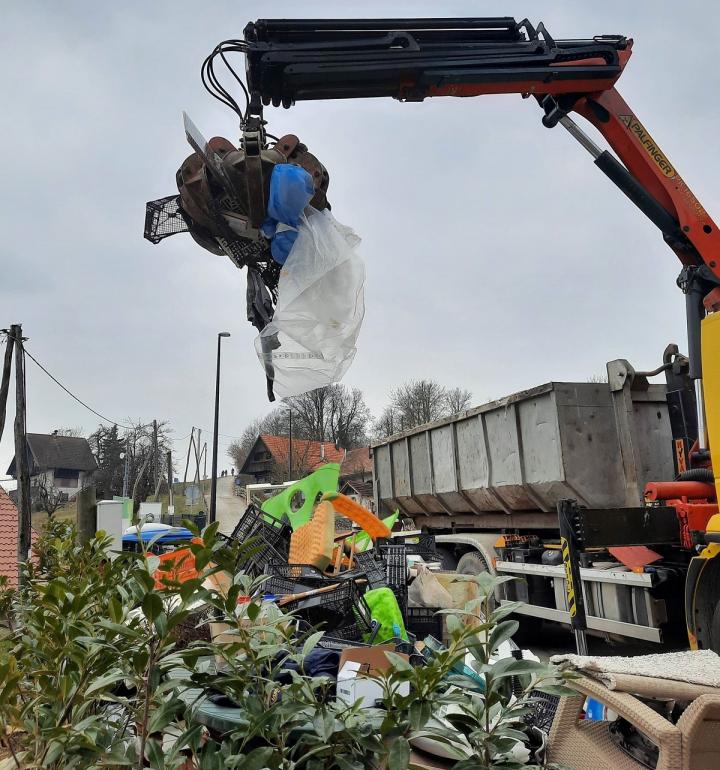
355	682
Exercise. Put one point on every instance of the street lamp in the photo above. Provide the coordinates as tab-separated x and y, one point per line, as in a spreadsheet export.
213	475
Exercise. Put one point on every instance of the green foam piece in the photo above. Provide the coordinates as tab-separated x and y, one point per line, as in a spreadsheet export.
362	539
385	609
323	480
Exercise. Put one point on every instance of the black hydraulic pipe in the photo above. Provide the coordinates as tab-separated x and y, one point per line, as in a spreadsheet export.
659	216
694	313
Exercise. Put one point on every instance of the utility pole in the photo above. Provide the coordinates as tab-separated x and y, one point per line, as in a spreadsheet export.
155	456
22	472
126	474
198	455
213	466
290	465
5	381
170	477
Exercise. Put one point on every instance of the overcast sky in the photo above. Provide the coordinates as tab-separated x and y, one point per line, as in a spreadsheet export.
497	256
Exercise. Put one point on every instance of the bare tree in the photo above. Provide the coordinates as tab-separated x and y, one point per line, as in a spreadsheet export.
387	424
310	413
276	423
458	400
418	402
69	432
46	496
334	413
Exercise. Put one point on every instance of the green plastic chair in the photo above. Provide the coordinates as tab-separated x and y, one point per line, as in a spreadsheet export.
304	494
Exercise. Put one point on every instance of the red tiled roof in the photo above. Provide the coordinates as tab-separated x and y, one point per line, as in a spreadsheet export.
357	461
8	539
311	454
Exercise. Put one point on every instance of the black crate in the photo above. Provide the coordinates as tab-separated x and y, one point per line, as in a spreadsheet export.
422	545
292	578
395	558
372	568
276	531
342	611
543	710
268	540
422	622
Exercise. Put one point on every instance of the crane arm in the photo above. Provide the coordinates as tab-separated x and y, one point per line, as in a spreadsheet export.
413	59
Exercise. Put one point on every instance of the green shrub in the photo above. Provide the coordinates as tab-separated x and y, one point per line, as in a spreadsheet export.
93	675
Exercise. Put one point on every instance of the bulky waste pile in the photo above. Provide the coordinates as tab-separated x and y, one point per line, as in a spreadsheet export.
328	563
337	566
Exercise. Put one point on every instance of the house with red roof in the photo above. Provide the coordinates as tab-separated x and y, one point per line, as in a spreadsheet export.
269	459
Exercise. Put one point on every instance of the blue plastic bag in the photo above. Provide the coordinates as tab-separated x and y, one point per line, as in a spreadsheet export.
291	189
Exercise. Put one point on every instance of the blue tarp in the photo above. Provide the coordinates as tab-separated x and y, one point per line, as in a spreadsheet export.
178	533
291	189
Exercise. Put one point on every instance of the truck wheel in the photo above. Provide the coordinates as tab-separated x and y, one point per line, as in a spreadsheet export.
472	563
715	630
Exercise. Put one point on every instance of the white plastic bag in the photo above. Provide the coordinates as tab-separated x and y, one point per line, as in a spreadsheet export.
310	341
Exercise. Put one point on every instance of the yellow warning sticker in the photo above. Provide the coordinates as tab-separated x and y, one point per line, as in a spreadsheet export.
648	143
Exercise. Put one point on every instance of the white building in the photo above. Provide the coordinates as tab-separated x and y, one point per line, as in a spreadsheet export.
63	463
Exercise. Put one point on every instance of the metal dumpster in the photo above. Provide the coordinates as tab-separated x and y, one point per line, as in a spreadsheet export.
588	441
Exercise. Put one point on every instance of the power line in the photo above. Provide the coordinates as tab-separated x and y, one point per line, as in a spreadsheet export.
72	395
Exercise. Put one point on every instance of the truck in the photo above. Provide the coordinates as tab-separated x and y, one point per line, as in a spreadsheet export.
607	488
487	483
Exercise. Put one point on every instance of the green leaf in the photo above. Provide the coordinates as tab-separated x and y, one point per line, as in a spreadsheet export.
512	667
209	533
505	609
399	754
104	682
115	610
152	606
161	624
253	610
154	753
311	642
202	558
257	759
502	632
555	689
419	714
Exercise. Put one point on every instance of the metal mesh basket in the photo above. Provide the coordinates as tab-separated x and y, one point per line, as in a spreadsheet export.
163	218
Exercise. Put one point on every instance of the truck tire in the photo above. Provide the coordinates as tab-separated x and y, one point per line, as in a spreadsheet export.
715	630
472	563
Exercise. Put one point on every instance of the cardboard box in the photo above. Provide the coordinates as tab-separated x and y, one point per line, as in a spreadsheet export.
357	667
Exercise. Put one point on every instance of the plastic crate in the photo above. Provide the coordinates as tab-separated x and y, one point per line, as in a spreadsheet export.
543	710
270	540
372	569
342	611
422	622
419	545
395	558
292	578
276	530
